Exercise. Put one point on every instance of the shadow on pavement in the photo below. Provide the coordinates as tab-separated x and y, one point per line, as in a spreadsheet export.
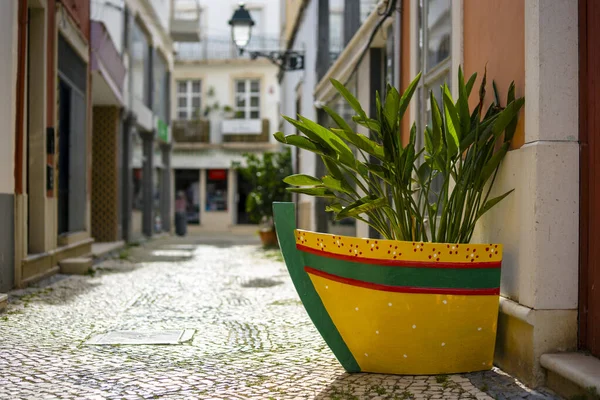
49	291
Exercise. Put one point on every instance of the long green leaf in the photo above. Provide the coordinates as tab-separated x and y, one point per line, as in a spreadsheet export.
332	167
470	83
338	120
334	207
309	133
334	142
452	124
369	123
436	125
491	203
306	144
362	142
302	180
492	164
391	106
407	96
316	191
508	116
463	104
337	185
363	205
349	97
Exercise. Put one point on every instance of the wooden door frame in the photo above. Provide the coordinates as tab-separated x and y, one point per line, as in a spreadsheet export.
589	104
583	176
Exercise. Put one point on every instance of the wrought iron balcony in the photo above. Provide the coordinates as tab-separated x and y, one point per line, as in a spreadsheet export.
222	48
197	133
261	137
191	131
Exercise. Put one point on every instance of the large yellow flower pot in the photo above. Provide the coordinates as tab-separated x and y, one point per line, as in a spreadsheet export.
396	307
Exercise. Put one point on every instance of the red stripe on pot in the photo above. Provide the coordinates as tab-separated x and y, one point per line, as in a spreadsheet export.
402	289
400	263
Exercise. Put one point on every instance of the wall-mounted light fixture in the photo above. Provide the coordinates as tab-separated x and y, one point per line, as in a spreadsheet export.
241	31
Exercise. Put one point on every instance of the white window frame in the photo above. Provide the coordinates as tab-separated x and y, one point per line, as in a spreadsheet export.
430	78
247	95
189	95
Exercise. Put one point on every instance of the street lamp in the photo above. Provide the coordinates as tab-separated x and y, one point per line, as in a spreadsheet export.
241	27
241	31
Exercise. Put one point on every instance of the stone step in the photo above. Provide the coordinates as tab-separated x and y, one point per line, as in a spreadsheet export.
572	374
3	302
103	249
76	265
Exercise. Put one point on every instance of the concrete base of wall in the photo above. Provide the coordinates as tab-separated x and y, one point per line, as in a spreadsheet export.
40	266
524	335
7	242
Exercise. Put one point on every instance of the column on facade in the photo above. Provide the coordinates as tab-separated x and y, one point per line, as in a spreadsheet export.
148	183
8	74
166	195
128	131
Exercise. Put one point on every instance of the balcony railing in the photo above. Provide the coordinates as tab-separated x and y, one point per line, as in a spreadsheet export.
185	22
222	48
192	131
198	132
262	137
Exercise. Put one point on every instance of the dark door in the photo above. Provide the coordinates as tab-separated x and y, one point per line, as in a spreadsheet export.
244	188
589	136
63	156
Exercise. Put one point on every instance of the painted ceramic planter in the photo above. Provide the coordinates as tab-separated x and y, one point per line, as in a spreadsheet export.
396	307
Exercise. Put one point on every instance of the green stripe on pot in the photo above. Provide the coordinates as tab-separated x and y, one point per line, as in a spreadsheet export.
285	224
454	278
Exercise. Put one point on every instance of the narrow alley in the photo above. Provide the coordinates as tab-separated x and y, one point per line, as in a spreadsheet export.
251	335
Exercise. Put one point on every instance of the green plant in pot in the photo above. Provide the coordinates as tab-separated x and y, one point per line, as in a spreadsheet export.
264	174
425	203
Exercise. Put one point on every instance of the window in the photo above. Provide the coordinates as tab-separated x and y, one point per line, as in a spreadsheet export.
140	64
189	95
216	190
435	29
247	98
336	33
160	87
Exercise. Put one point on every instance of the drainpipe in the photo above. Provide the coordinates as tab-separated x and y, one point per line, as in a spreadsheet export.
323	64
21	73
323	57
351	19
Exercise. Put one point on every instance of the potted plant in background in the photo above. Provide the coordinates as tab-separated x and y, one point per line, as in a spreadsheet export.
265	174
423	300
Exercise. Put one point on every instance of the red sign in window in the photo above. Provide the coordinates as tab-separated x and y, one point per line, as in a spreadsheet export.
217	174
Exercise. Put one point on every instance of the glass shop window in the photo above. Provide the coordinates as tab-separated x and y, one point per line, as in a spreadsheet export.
216	190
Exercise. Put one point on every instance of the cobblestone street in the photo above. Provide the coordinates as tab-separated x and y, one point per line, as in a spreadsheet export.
252	337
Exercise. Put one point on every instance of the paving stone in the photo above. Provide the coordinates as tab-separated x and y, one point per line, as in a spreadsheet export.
250	342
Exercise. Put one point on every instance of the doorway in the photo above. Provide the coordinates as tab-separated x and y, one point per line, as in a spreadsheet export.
244	188
72	140
64	98
589	138
187	181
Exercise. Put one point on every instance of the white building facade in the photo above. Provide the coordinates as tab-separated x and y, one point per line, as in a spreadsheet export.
223	105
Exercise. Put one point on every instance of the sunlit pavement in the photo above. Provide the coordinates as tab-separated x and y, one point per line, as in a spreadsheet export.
252	337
